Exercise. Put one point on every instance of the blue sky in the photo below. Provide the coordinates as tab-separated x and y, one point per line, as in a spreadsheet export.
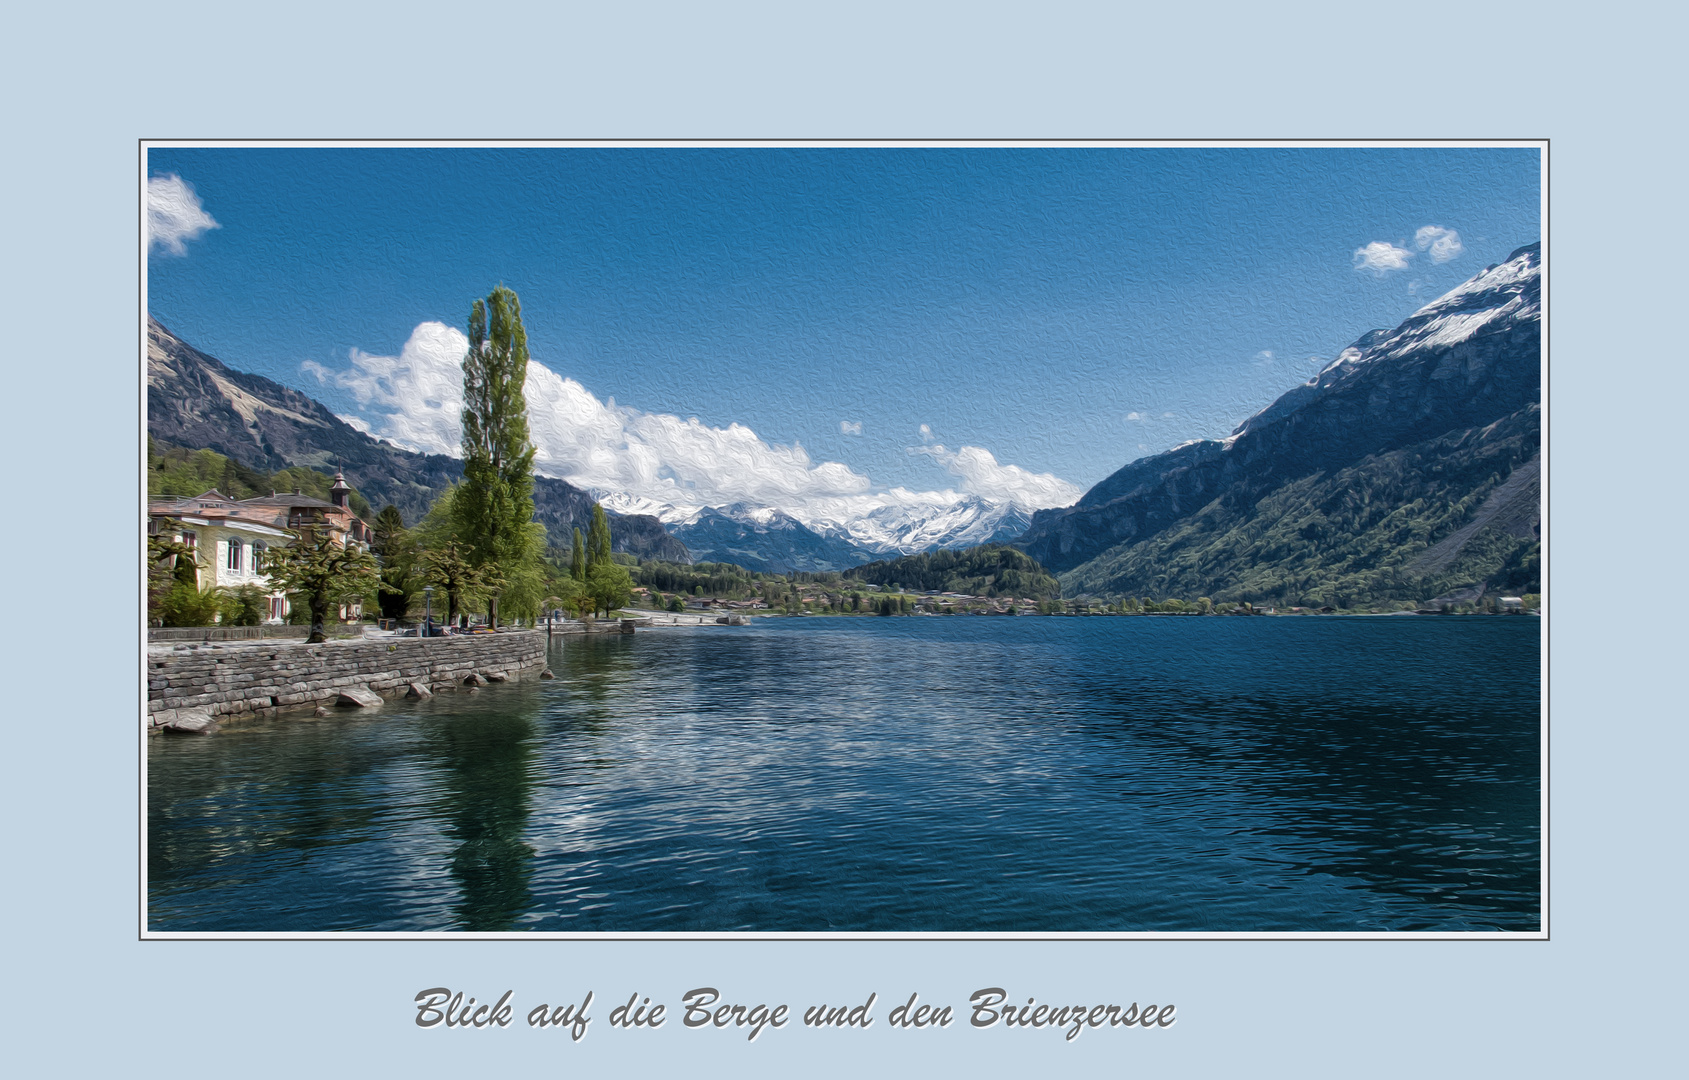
1063	310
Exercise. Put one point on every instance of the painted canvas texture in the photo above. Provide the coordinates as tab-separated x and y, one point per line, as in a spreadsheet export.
790	540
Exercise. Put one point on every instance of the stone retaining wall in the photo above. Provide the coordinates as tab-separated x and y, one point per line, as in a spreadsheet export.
241	633
261	678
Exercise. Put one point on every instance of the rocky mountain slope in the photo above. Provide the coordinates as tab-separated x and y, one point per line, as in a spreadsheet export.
764	540
1361	481
195	400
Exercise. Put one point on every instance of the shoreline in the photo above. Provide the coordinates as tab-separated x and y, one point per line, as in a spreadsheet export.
189	685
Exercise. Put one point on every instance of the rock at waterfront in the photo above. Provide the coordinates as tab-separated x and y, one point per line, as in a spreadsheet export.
361	696
546	674
418	691
494	676
322	710
473	679
192	722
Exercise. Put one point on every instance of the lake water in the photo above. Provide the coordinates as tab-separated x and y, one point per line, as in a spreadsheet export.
906	774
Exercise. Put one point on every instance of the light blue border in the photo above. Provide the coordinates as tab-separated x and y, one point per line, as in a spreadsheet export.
87	999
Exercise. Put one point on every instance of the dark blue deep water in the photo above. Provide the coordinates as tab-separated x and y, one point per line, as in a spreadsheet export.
914	774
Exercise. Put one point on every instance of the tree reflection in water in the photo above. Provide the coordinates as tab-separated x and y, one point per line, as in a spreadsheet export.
487	784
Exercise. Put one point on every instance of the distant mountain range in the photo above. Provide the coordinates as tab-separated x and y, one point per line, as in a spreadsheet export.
777	541
195	400
764	540
910	530
1408	466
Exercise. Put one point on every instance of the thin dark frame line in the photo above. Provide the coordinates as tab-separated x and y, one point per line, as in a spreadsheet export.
1545	727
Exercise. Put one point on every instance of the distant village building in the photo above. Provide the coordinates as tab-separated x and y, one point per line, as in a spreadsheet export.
233	538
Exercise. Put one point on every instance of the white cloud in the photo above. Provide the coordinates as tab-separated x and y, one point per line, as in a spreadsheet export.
420	391
1167	416
1135	416
926	433
1265	356
982	475
174	214
846	427
415	400
1380	257
1444	244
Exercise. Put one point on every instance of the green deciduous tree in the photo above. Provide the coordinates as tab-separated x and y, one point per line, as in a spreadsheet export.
597	538
392	545
577	559
493	509
172	566
609	586
317	572
448	568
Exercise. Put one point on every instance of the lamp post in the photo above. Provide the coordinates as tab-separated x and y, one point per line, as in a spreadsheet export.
428	611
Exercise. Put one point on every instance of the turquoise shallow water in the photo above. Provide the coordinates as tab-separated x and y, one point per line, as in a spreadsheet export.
936	774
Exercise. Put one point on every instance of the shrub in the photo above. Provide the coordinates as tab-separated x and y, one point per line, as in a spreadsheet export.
184	605
245	605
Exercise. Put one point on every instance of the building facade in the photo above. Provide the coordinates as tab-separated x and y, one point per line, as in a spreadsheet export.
232	538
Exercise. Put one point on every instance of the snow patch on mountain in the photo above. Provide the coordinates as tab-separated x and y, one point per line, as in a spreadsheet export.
1499	296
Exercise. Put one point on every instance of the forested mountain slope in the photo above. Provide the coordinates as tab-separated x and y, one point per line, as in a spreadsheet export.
1343	488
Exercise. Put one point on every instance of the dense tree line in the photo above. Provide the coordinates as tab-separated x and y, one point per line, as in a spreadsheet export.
727	580
988	570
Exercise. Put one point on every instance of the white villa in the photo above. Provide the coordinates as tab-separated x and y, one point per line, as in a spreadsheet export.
233	537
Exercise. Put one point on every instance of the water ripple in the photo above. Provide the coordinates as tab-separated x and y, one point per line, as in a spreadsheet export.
907	775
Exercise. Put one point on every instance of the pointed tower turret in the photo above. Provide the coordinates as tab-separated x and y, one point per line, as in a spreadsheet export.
337	494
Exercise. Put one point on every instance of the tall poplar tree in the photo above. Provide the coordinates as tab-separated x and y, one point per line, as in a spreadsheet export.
494	506
577	559
598	538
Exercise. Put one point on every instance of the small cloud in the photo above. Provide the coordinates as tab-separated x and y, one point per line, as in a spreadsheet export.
174	214
1444	244
1167	416
1265	356
1143	446
1381	257
1134	416
926	433
848	428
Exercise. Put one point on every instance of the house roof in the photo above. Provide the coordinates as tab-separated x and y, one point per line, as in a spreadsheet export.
235	523
286	499
212	499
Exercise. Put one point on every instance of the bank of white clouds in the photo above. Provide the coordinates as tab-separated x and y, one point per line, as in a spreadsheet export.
415	400
982	474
